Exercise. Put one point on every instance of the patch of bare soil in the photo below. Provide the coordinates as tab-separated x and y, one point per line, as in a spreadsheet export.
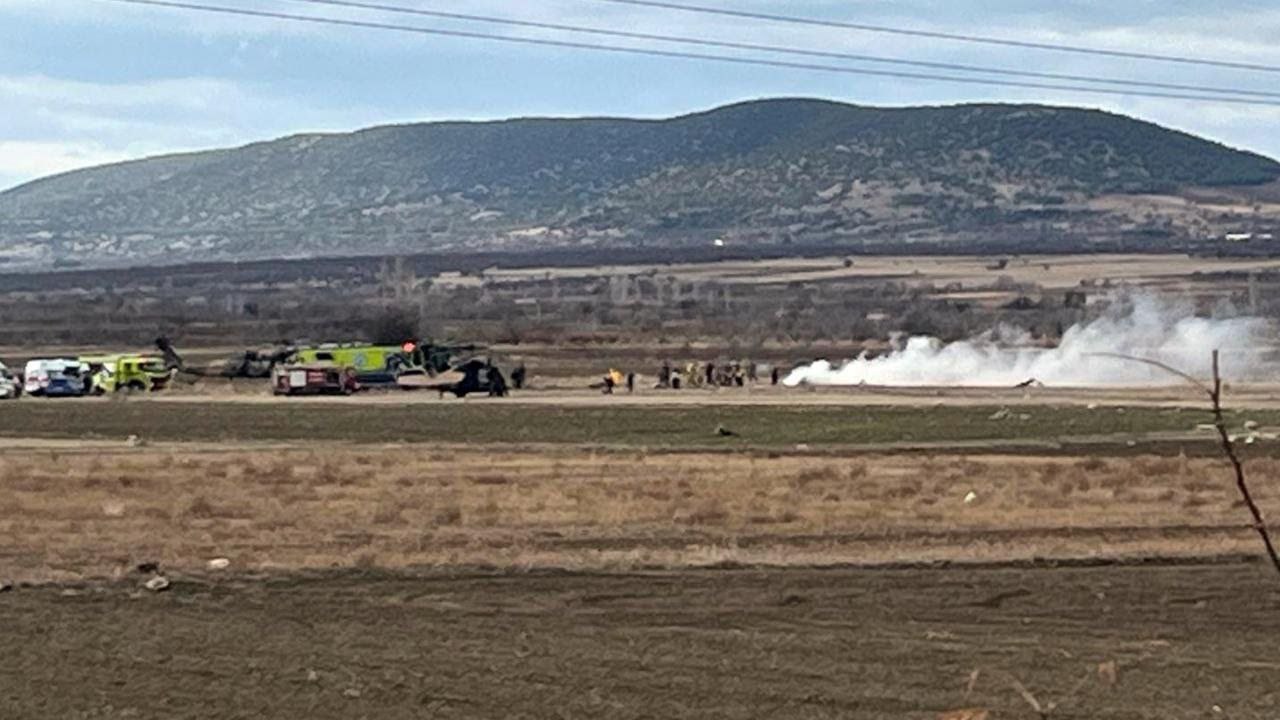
1103	643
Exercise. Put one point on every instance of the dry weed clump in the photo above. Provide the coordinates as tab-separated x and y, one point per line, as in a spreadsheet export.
387	514
1157	467
448	515
202	508
773	516
1093	465
710	511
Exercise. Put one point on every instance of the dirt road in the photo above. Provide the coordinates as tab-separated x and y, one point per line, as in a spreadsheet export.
1105	642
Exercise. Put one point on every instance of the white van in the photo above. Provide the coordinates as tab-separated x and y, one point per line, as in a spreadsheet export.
52	377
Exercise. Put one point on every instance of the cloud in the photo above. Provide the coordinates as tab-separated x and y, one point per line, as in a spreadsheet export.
55	124
198	81
21	160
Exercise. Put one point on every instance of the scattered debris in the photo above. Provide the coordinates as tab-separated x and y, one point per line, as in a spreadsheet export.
148	568
113	508
351	692
1001	414
723	431
159	583
970	497
313	676
135	441
1250	425
219	563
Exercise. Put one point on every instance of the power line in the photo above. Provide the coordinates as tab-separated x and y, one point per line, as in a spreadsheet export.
706	42
985	40
686	55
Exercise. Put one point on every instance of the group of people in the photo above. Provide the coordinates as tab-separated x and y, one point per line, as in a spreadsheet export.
710	374
693	375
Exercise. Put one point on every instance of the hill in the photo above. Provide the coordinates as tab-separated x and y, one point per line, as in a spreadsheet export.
770	171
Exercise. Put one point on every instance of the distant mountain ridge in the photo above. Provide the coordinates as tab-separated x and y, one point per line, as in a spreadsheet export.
768	171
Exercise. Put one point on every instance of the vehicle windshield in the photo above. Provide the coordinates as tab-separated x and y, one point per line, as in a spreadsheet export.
61	370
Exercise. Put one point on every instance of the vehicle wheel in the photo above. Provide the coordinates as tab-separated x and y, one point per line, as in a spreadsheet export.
136	386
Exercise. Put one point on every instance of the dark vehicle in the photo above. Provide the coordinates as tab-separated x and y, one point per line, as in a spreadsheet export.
315	379
470	377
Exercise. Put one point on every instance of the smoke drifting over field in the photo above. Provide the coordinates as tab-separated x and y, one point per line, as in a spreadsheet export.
1144	327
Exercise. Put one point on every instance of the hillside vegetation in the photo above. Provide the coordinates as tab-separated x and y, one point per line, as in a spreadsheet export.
770	171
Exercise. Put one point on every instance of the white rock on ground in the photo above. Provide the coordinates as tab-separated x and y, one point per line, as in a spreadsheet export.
158	583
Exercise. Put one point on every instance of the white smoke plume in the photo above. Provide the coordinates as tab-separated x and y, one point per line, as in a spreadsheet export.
1143	326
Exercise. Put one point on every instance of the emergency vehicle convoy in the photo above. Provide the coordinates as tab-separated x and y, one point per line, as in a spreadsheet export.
90	375
329	368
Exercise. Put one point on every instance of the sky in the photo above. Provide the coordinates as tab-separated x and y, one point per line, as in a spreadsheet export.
86	82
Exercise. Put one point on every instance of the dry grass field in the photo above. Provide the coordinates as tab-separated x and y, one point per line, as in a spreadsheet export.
486	581
529	560
1048	271
81	514
923	553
